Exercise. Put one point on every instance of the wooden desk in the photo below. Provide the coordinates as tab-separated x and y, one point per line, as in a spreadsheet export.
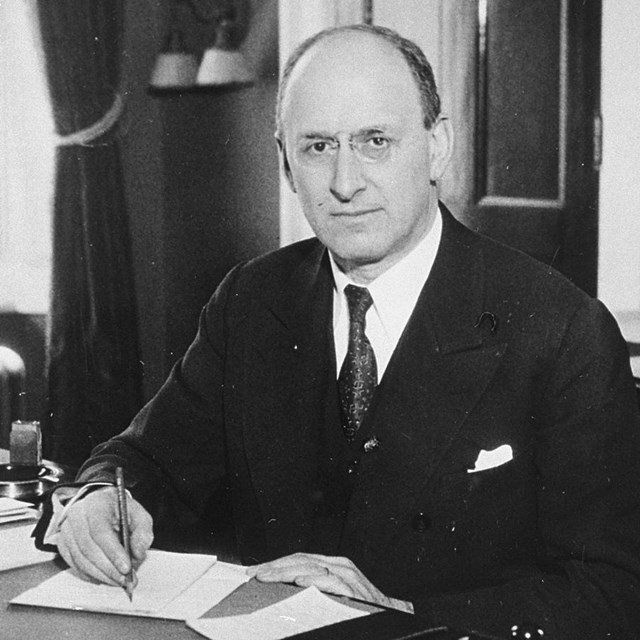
33	623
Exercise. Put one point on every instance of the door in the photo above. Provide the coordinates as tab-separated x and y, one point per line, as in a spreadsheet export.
520	81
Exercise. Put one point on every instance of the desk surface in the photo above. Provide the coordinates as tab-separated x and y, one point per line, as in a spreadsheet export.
34	623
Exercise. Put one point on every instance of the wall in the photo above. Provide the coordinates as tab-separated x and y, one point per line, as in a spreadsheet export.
221	176
202	180
619	262
141	142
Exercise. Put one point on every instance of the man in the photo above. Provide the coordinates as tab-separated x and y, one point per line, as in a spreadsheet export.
458	435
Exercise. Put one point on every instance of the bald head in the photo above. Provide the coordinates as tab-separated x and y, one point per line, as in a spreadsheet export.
349	40
358	150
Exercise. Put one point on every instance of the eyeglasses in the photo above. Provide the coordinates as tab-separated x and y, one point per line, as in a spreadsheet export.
369	147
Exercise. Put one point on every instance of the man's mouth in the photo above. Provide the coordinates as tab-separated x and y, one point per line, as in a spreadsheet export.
354	213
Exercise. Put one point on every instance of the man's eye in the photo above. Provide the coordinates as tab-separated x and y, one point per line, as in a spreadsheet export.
374	148
378	142
317	152
318	147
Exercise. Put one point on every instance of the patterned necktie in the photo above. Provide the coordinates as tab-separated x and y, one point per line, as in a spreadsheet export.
359	373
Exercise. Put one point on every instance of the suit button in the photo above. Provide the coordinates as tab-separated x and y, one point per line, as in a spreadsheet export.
421	522
352	467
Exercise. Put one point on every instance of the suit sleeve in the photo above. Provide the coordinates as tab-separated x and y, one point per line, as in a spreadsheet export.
175	445
587	583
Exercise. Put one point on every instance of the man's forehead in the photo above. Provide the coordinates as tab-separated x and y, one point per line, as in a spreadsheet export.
350	81
347	113
356	51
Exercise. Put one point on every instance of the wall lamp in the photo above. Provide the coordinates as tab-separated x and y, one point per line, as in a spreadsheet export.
222	64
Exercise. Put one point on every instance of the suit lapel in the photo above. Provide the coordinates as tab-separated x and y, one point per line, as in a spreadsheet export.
293	340
440	368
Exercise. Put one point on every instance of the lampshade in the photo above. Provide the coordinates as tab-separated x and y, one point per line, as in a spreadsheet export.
175	67
223	67
222	63
174	70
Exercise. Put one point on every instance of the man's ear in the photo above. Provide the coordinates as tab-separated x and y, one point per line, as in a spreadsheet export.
441	147
284	163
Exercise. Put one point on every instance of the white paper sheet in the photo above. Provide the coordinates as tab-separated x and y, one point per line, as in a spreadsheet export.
170	585
12	510
10	506
29	514
17	548
310	609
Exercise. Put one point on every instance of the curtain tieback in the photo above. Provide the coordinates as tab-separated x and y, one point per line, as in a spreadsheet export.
87	135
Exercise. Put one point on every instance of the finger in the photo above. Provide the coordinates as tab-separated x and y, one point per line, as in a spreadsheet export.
290	573
87	569
304	570
90	536
285	569
106	542
141	531
349	574
295	559
326	582
315	564
336	564
359	584
333	574
108	539
91	564
98	541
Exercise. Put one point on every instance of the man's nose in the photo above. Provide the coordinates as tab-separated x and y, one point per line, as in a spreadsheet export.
348	178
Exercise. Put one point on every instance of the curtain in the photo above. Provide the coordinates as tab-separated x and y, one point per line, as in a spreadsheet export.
94	372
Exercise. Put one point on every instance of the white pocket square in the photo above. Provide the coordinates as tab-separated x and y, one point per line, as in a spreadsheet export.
494	458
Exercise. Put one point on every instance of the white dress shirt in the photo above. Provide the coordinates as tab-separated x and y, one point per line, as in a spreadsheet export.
395	294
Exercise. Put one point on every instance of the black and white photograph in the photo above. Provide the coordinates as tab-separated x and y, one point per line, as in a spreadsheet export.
319	319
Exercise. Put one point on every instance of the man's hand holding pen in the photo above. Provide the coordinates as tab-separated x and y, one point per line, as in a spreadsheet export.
90	538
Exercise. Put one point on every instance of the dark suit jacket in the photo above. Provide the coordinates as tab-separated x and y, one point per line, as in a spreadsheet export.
499	350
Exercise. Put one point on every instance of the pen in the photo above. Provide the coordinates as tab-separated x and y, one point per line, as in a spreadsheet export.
123	518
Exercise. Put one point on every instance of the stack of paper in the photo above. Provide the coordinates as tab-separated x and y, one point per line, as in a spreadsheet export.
18	549
174	586
12	510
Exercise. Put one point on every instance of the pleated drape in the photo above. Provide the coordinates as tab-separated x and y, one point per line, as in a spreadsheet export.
94	371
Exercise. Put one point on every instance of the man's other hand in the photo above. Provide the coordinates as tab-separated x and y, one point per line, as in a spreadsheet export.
89	538
330	574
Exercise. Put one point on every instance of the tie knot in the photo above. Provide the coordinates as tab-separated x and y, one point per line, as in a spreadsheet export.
359	300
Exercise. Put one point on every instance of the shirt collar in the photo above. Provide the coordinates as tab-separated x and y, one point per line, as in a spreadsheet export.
396	291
